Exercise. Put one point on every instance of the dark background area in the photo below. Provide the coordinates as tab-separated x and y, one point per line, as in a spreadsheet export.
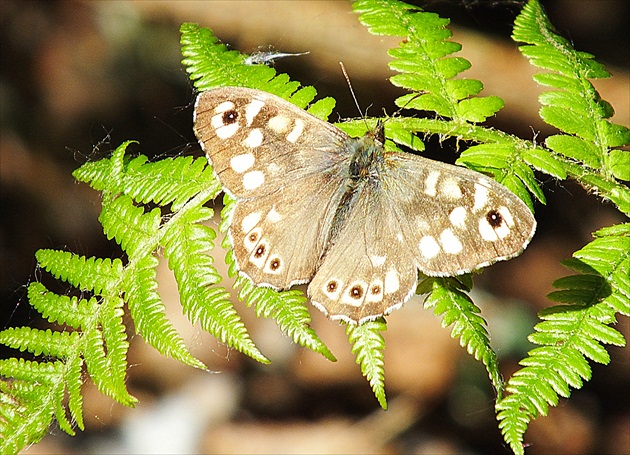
79	78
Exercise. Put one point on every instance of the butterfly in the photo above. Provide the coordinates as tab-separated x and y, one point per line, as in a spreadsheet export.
356	222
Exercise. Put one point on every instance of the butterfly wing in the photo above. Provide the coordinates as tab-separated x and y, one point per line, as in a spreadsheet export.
419	214
286	169
369	270
257	142
455	220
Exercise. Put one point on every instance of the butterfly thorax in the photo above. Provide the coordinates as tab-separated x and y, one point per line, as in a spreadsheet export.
364	171
367	156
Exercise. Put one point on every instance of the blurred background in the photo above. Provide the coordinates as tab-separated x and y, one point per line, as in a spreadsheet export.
78	78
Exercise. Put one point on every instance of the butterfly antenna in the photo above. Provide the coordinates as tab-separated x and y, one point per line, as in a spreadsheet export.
345	74
356	102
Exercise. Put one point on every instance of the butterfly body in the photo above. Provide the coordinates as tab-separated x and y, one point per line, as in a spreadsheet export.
357	222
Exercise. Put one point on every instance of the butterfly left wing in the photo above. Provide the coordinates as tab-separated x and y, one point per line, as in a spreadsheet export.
286	169
455	220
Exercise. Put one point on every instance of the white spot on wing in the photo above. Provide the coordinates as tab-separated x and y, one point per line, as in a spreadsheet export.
486	231
273	215
377	261
450	189
268	269
250	221
252	110
253	179
458	216
481	196
502	231
240	163
279	123
254	138
392	284
430	184
507	215
250	243
429	248
334	295
375	297
224	106
296	132
348	299
450	243
223	131
262	259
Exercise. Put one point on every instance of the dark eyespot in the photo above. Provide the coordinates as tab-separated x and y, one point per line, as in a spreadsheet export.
356	292
494	218
376	289
230	117
260	251
275	264
331	286
253	237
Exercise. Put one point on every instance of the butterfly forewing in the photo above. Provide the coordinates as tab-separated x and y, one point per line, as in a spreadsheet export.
257	142
456	220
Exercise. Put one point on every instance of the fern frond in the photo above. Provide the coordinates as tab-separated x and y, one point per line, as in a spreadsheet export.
27	406
168	181
368	345
571	334
210	64
576	108
448	299
424	63
89	274
99	338
185	246
428	69
149	314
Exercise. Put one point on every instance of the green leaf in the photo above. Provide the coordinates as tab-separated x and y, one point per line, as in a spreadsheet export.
619	161
576	148
368	345
448	299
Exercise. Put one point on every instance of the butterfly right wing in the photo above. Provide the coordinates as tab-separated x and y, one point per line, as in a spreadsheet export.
285	167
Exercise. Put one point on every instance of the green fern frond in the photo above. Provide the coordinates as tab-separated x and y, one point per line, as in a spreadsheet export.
89	274
210	64
185	246
448	298
61	309
571	334
368	345
98	338
576	108
427	68
289	311
27	407
149	314
424	63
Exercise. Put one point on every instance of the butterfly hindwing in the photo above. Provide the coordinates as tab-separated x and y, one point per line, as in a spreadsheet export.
278	238
369	269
